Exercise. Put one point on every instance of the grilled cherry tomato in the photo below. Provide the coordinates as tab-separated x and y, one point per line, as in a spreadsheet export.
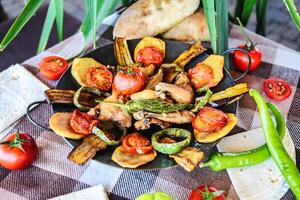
136	143
241	61
53	67
128	81
18	151
99	77
201	75
150	55
204	192
82	123
209	120
277	89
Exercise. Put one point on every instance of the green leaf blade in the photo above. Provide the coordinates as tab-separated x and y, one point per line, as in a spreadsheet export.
247	10
290	5
28	11
222	26
261	7
92	8
210	15
47	28
59	8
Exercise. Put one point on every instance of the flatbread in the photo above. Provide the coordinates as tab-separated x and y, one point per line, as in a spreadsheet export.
128	160
151	17
192	28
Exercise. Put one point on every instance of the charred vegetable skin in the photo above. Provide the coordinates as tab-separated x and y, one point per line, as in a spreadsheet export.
171	148
150	105
122	53
87	105
282	159
202	102
221	161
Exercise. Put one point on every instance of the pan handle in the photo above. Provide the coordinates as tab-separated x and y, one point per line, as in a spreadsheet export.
249	63
30	117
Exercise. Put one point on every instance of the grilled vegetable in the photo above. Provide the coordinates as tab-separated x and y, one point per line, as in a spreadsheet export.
155	196
150	105
86	101
183	59
108	130
82	123
188	158
122	53
80	66
87	149
220	161
174	133
230	92
136	143
129	160
202	102
150	50
280	156
59	96
60	124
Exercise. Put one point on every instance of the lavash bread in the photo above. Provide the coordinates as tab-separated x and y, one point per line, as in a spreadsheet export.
151	17
192	28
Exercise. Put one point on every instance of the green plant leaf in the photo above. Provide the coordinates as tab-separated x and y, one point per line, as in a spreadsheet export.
28	11
239	8
261	7
290	4
210	15
92	8
222	26
48	24
247	10
59	7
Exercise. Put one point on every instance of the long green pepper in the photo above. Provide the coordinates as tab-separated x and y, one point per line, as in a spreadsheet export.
221	161
282	159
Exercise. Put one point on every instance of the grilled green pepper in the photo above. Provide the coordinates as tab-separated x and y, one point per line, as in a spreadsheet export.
173	133
150	105
105	132
282	159
91	90
221	161
203	101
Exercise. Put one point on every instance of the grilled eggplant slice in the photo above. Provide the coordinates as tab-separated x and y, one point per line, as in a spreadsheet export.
129	160
122	53
185	57
87	149
188	158
59	96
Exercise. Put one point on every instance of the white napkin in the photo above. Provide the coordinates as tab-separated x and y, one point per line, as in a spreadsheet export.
93	193
263	181
18	88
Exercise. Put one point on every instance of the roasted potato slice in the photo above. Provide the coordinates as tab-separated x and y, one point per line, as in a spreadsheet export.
80	67
216	63
60	124
128	160
204	137
150	42
87	149
188	158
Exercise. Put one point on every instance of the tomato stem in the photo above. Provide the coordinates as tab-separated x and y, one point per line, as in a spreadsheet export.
16	142
207	195
250	45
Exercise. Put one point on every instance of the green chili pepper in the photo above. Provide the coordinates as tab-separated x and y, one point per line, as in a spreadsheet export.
109	127
170	148
282	159
203	101
91	90
221	161
150	105
155	196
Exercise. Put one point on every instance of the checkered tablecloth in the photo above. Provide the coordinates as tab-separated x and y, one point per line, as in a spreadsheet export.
52	174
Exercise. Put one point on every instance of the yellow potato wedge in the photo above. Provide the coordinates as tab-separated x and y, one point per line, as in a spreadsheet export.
80	67
60	124
216	62
233	91
204	137
150	42
128	160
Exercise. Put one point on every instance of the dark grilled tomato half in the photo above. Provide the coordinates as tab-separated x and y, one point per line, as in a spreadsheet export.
277	89
150	55
99	77
82	123
136	143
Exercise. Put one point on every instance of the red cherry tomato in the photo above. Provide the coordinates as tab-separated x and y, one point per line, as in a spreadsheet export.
203	192
209	120
82	123
128	81
201	75
18	151
136	143
241	61
150	55
53	67
277	89
99	77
